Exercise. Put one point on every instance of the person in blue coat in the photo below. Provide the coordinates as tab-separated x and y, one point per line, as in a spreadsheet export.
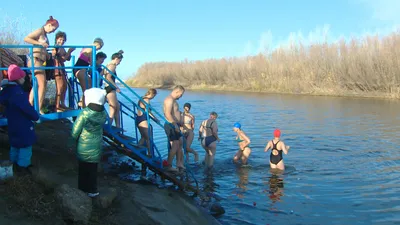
19	114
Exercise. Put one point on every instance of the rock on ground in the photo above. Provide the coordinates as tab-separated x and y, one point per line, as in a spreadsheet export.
74	204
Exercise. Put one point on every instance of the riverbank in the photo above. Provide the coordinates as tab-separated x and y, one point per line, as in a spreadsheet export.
362	67
222	88
35	199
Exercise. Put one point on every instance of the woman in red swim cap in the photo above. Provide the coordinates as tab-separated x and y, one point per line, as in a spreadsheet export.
277	147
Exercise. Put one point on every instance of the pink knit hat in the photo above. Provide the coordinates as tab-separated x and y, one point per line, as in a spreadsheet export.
15	73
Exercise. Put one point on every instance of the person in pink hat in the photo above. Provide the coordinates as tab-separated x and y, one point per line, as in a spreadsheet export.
19	114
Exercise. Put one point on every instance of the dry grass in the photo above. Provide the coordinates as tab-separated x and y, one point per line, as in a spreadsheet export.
369	66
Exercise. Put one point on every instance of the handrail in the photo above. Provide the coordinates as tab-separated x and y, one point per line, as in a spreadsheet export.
140	98
148	106
127	98
32	67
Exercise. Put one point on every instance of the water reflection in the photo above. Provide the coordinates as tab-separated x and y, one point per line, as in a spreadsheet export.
276	185
208	183
243	175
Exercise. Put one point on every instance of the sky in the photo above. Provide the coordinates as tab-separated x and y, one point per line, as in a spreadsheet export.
175	30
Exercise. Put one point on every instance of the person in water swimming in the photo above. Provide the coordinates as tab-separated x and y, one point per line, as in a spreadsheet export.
277	147
187	131
40	56
85	59
243	142
208	135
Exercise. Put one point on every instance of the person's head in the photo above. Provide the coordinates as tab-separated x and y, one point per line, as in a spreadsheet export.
95	96
117	57
51	25
150	94
100	57
98	42
237	126
177	92
213	115
16	74
277	133
61	38
187	106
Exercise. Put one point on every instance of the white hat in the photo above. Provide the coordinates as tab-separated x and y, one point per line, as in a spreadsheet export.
95	95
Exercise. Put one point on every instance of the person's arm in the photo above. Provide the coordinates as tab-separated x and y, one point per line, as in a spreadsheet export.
193	120
66	56
268	146
150	113
24	105
214	129
34	36
246	140
78	126
76	130
285	148
200	130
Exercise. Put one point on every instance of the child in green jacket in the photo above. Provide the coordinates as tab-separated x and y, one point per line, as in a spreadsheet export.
87	132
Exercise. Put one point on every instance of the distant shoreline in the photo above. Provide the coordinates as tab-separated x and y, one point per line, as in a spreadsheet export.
216	88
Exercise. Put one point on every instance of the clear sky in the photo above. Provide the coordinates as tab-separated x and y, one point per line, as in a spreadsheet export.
173	30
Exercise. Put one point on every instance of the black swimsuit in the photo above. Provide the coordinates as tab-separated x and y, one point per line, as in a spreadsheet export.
275	159
143	117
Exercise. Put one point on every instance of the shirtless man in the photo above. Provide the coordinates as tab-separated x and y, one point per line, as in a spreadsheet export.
172	127
208	135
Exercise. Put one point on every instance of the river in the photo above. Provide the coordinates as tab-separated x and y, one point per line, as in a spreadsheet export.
342	167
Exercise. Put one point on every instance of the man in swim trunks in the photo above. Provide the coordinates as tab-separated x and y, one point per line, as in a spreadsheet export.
172	127
277	147
208	135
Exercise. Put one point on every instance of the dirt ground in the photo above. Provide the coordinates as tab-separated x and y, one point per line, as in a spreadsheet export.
30	199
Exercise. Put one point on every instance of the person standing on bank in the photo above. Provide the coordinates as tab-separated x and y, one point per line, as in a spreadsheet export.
20	114
87	132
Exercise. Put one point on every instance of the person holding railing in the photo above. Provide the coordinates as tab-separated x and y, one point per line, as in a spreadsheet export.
60	56
112	88
85	59
187	131
40	56
143	125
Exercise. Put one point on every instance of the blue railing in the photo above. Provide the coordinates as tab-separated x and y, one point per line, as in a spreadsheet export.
151	109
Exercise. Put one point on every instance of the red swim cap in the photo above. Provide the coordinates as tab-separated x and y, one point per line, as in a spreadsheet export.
277	133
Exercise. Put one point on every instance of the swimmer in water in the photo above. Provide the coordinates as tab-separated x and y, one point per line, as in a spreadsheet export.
277	147
243	142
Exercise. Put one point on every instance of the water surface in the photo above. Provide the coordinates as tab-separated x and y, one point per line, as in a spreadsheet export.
342	167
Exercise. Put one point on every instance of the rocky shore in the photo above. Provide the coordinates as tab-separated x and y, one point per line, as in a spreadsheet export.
50	194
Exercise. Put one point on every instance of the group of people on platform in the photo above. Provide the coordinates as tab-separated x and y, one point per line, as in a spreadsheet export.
87	129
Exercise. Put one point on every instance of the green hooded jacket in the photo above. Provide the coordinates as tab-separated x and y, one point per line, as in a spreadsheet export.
87	132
